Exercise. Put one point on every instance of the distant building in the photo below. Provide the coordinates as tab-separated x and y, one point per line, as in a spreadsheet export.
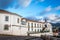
14	24
39	28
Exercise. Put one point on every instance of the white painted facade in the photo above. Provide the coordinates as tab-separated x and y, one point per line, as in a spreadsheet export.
22	28
14	26
36	30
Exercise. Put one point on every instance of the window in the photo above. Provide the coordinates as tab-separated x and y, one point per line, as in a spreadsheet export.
6	27
38	30
23	22
35	25
18	20
28	26
32	26
6	18
35	30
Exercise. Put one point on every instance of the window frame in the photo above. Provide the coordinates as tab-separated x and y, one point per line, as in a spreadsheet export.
6	18
6	27
17	20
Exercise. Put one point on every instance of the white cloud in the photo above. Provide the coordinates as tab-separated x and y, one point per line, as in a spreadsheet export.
58	20
52	16
39	17
37	1
57	8
24	3
48	9
41	0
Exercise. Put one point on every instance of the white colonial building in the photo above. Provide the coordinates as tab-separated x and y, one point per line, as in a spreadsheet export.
14	24
36	28
9	23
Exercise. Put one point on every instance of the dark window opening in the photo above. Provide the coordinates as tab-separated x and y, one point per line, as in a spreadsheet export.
35	25
18	20
32	26
6	27
28	27
23	22
6	18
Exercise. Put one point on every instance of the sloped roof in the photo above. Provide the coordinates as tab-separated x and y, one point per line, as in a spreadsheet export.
7	12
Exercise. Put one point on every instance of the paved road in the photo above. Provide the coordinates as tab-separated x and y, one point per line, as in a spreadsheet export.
26	38
19	38
55	38
50	38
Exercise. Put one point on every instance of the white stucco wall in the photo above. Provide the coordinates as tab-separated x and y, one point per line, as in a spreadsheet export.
12	21
18	28
23	31
41	26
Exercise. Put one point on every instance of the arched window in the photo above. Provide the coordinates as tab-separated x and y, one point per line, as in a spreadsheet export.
23	22
6	27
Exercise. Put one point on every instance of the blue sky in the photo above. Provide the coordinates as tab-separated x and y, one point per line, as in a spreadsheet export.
36	8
